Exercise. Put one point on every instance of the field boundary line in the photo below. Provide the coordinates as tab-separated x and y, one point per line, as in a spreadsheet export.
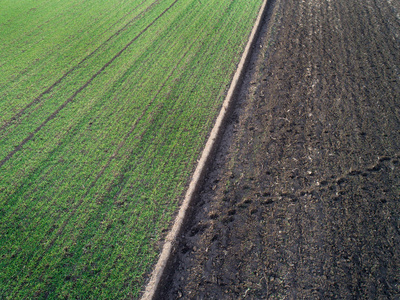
160	269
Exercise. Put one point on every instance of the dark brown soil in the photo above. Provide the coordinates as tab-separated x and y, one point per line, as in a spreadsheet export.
303	199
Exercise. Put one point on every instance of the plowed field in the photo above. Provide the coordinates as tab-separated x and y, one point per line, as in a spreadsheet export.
303	199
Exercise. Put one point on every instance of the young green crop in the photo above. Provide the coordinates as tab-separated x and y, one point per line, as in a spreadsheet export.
106	106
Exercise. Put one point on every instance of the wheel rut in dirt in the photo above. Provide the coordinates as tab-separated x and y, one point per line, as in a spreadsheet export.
302	200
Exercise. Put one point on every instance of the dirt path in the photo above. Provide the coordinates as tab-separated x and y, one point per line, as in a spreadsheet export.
303	201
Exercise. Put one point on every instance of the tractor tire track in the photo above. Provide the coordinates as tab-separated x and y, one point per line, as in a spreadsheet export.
70	99
39	98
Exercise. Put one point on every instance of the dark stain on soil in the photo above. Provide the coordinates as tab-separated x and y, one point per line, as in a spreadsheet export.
303	198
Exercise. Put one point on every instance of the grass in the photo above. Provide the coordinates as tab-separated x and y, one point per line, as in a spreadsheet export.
105	107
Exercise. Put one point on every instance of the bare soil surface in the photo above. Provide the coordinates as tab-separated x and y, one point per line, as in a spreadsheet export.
303	198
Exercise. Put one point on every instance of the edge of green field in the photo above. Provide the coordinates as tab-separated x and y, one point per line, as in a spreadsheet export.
105	108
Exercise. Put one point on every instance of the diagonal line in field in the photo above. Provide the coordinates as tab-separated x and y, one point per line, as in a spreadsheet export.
39	98
54	114
160	269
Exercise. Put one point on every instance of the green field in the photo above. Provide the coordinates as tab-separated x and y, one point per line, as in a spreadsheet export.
104	109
